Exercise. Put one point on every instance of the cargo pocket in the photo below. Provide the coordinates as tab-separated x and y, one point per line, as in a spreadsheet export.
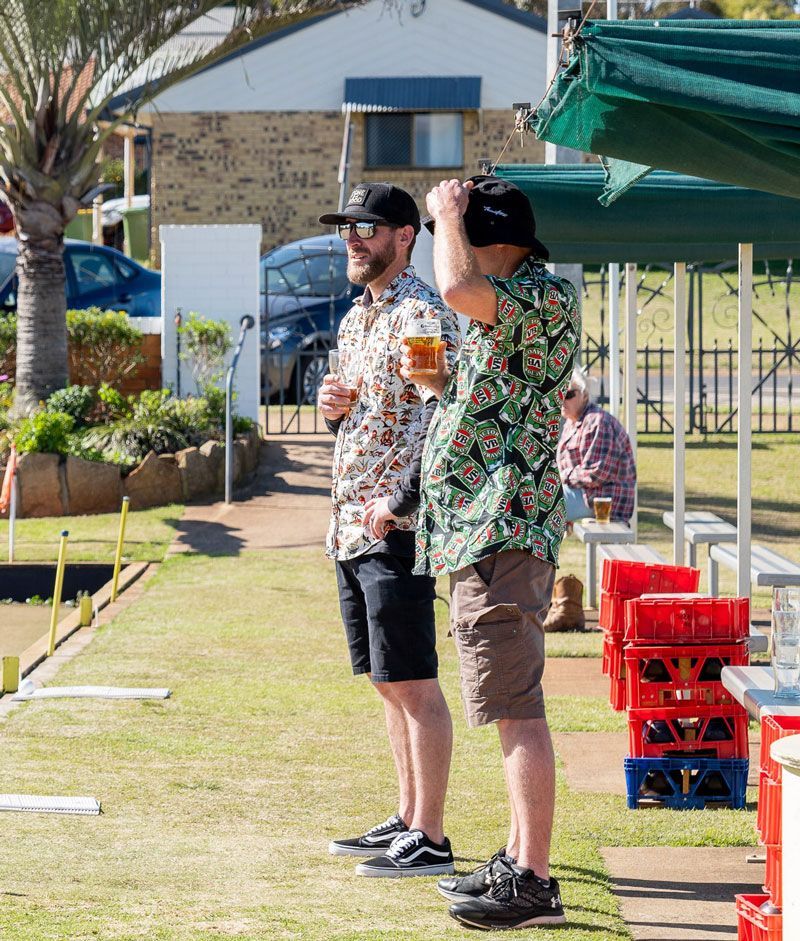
487	644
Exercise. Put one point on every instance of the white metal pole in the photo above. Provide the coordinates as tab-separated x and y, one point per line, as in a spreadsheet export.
12	518
630	374
128	168
679	419
613	339
744	395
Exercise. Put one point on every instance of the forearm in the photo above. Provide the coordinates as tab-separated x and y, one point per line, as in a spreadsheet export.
462	286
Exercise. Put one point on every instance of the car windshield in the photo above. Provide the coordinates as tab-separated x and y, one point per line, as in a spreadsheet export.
8	261
304	272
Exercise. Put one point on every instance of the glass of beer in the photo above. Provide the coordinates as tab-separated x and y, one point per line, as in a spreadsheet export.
423	337
602	509
344	366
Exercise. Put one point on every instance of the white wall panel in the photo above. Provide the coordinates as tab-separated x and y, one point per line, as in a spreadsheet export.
212	270
305	71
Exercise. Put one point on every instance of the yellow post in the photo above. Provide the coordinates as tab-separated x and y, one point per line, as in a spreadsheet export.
85	609
62	561
120	540
10	675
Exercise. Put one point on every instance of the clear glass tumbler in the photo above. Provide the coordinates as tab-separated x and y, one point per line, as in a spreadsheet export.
786	642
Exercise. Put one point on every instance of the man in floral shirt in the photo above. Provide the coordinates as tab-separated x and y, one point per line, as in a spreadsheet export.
492	513
386	608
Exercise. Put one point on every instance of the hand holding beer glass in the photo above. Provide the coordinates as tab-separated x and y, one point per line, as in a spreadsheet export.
421	348
339	389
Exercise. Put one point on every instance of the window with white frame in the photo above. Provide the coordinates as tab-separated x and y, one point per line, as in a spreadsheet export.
415	139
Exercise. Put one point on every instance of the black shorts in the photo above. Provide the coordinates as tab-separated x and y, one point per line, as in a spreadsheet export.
388	617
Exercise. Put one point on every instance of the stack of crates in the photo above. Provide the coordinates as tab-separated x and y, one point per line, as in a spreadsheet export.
760	916
621	582
687	735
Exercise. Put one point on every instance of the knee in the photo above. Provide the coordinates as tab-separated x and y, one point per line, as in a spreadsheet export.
419	696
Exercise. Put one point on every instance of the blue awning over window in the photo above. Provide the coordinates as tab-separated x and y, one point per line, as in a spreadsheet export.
421	93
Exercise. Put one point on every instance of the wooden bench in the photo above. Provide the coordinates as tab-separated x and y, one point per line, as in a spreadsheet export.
594	534
702	528
767	567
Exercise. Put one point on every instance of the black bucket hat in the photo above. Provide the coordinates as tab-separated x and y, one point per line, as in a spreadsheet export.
377	202
499	213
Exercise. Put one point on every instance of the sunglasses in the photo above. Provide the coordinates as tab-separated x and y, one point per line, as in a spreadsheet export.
364	230
570	394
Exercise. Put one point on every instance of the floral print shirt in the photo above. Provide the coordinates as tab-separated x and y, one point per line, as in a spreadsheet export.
489	475
377	438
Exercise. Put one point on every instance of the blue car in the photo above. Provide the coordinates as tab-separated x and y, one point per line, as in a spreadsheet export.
304	296
97	276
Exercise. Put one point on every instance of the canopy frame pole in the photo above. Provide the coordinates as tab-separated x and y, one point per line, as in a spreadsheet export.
679	418
744	393
630	376
613	338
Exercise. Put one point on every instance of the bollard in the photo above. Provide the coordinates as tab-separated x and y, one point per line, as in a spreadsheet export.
62	561
10	675
120	540
85	610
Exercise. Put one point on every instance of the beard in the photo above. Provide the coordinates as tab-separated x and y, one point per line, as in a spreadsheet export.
363	272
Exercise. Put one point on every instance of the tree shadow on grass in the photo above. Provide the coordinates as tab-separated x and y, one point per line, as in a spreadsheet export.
205	538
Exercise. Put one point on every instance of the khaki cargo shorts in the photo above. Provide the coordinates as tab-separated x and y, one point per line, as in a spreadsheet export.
497	607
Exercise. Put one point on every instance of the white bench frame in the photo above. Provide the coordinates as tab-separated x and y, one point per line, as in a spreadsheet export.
701	528
768	568
595	534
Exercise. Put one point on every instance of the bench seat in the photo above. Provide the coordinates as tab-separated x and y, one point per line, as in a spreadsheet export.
767	567
701	528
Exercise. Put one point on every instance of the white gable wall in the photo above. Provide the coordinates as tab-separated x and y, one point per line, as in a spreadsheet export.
305	71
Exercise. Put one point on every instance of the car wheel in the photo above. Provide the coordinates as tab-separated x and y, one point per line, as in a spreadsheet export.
314	368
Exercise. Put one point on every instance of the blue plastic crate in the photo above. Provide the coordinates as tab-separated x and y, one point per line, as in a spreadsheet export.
687	783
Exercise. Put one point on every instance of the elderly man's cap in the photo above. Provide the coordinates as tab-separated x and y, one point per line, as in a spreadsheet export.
377	202
499	213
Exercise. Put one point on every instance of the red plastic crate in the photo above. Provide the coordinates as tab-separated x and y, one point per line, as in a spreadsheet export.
772	729
686	621
608	642
640	578
670	733
612	611
616	694
681	675
773	877
768	817
755	925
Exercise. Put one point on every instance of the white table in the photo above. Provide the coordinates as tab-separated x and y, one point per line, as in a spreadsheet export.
754	688
593	534
702	528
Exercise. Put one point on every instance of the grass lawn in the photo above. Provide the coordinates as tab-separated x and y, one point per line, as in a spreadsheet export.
218	804
94	538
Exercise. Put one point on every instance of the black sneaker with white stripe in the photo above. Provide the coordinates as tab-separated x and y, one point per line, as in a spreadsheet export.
464	888
375	840
411	854
516	899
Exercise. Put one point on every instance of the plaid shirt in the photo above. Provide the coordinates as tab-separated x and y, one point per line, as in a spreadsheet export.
595	455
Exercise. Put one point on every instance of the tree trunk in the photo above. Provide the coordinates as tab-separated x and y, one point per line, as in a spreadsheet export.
41	307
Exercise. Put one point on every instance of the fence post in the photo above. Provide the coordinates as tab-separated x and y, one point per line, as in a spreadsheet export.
244	325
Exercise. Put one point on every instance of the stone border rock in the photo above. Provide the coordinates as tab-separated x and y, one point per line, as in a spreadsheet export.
52	485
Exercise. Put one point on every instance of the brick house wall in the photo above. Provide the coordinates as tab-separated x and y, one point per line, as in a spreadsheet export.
279	168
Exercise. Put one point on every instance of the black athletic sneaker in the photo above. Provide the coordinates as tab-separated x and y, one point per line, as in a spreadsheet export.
516	899
373	841
464	888
411	854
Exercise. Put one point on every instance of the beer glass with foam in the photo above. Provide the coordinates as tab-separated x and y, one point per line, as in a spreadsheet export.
423	337
602	509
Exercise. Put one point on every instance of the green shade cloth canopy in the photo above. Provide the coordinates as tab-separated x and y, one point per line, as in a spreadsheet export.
665	217
710	98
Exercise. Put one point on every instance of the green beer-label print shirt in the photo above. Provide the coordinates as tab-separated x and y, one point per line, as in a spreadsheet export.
489	476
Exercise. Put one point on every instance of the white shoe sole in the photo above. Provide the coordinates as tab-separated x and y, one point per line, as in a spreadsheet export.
441	869
335	849
456	896
530	923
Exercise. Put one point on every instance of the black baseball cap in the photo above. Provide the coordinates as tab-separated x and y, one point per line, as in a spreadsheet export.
377	202
499	213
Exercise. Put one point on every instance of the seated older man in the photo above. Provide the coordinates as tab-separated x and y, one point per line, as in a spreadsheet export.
595	457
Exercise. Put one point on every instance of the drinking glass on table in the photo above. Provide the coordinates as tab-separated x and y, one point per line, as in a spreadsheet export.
423	337
786	642
602	509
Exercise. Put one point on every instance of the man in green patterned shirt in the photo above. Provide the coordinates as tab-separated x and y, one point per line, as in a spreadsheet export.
492	512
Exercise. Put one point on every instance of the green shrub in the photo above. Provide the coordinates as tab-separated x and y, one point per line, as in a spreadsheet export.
45	432
112	404
8	344
76	401
104	346
206	342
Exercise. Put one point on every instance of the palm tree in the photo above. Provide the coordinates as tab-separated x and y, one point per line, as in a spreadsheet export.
61	63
